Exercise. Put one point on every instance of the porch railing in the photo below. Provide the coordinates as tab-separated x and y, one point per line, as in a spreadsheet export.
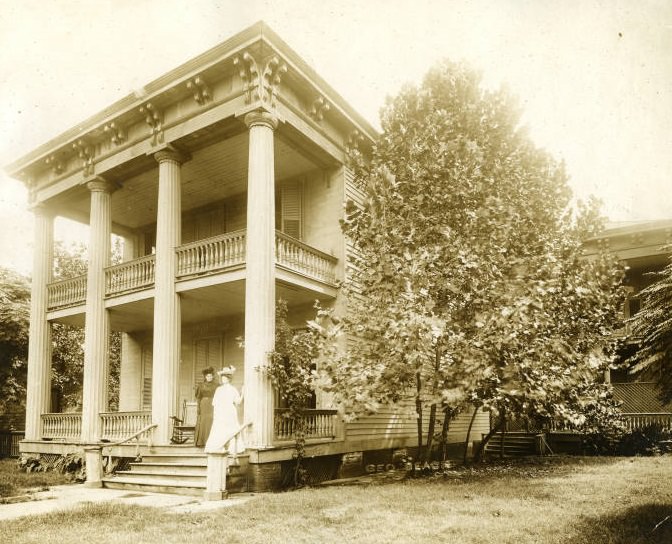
129	276
67	292
62	426
211	254
636	422
121	425
302	258
318	424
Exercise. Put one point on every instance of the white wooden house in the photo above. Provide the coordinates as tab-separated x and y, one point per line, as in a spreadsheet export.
226	178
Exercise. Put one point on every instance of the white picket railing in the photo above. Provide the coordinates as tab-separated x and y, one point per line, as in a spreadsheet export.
129	276
68	292
639	421
66	426
300	257
211	254
318	424
120	425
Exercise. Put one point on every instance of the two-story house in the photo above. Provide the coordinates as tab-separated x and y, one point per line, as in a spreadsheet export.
226	179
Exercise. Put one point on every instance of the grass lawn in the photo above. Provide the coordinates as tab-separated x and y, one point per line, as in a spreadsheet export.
15	482
556	500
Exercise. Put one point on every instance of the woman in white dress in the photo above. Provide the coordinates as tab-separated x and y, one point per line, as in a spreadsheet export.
225	415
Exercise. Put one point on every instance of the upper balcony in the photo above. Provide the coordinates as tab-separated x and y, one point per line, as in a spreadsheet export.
219	257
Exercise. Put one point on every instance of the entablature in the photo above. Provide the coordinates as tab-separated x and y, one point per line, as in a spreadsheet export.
253	70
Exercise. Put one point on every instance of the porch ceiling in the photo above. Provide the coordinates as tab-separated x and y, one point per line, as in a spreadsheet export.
217	170
210	302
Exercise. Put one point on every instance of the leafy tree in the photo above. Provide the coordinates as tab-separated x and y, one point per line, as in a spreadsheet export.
547	340
465	245
652	326
14	324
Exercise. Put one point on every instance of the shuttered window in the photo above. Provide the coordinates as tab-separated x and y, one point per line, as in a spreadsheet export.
291	208
147	377
207	352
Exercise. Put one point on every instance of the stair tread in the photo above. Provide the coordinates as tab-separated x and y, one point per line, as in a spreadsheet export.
163	474
151	481
168	464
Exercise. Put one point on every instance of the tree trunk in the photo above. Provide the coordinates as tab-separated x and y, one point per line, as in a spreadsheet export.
448	415
430	433
466	440
432	409
418	410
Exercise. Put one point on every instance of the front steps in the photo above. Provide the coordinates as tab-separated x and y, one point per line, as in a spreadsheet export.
512	444
180	472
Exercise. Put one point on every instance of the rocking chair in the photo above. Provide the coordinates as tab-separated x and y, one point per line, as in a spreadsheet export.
185	427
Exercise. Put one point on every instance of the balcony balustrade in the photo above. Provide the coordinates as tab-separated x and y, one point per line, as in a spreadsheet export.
299	257
212	254
64	293
202	257
130	276
318	424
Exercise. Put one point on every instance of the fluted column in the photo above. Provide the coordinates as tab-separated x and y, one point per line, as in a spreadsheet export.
97	322
39	341
167	320
260	277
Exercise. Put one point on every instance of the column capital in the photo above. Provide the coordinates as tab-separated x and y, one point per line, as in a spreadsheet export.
170	153
261	117
100	185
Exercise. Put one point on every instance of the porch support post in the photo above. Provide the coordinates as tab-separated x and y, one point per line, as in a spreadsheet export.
97	322
39	336
260	277
167	317
215	486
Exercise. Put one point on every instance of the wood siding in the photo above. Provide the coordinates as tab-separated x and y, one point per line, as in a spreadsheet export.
400	422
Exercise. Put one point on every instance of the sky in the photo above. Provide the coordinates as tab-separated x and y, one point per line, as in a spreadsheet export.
593	77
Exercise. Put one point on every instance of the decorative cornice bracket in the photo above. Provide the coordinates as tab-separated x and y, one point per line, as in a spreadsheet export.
352	145
55	163
86	151
319	107
154	119
260	85
200	90
273	72
116	133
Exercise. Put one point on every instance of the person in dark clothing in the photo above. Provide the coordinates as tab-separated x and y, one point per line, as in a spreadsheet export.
204	393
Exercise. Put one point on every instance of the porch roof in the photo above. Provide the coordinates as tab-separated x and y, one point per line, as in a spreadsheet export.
303	76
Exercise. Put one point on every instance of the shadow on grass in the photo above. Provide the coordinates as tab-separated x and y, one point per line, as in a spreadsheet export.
643	524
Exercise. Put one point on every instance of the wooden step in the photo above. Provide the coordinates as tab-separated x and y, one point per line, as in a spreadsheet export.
182	472
168	474
151	486
176	458
162	468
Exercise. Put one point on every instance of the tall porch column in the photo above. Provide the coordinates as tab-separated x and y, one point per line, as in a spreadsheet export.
39	341
130	370
167	318
97	321
260	277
